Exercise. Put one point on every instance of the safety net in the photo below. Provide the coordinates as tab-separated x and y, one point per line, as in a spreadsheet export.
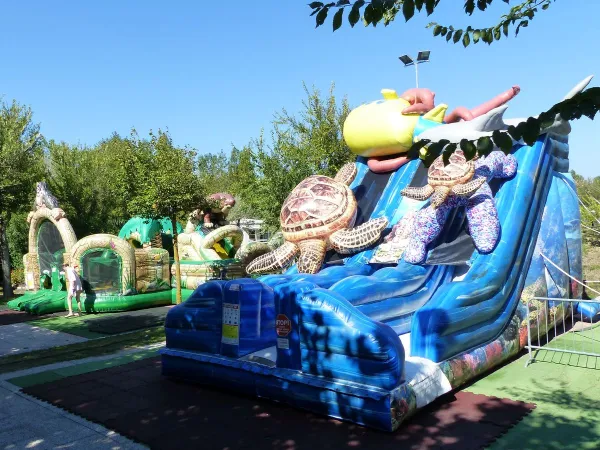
102	271
50	247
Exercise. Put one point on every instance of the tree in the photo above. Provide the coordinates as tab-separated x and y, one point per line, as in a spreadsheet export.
588	190
93	204
586	103
21	166
311	142
168	185
17	233
242	176
213	172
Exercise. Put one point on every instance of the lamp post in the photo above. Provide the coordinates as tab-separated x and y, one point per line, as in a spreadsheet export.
422	57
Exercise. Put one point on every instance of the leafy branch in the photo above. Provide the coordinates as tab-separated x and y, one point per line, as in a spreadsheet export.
519	15
586	103
375	11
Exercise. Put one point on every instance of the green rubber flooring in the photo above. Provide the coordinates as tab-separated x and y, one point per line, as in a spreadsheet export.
566	389
57	374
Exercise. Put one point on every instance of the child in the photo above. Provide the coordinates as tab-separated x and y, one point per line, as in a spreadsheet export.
73	287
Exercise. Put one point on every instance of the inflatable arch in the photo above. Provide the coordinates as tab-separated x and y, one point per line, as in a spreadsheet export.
199	258
149	233
111	248
38	220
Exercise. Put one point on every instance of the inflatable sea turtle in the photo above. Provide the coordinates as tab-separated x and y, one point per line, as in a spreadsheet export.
455	178
319	214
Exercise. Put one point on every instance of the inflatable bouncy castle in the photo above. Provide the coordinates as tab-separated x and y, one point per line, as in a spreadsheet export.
405	281
130	271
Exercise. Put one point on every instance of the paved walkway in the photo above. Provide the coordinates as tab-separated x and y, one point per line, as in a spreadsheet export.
22	337
27	423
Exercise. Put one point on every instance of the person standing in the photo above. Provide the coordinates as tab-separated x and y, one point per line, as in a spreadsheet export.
74	288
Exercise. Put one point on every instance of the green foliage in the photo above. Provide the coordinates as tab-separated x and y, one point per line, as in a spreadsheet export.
93	204
17	234
20	167
518	16
213	170
588	190
167	181
241	176
586	103
167	184
377	11
262	174
17	276
20	157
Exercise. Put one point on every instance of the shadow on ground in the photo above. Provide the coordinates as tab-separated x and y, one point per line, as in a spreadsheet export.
136	401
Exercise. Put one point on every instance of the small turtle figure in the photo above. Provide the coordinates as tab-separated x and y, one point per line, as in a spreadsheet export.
482	218
319	214
455	178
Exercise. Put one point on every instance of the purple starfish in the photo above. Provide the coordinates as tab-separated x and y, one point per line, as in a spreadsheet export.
482	216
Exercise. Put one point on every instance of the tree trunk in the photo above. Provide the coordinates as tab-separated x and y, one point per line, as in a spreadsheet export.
176	258
5	260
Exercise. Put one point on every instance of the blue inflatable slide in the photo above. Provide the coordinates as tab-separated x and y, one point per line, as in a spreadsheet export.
371	342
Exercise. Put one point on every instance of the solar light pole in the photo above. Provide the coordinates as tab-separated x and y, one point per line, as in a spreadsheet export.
422	57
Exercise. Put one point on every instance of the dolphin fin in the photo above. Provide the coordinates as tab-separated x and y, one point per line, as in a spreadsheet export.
436	114
559	126
490	121
483	125
579	87
389	94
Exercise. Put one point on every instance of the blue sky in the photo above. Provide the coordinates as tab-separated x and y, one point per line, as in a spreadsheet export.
214	73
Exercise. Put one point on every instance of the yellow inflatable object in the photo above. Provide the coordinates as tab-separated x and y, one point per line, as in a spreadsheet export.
221	251
379	128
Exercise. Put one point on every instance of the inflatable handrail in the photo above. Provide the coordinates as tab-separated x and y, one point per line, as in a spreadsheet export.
400	280
325	278
475	310
338	341
396	306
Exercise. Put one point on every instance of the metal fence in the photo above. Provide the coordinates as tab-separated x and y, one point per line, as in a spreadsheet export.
553	324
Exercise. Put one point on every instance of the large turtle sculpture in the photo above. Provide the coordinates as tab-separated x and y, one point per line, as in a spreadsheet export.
455	178
319	214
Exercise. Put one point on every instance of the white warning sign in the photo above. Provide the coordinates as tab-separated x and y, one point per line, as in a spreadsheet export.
231	324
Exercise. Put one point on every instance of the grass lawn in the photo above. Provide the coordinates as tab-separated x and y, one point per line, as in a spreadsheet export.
71	325
565	388
57	374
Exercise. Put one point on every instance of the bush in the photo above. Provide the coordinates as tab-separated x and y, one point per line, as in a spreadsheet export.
17	234
17	277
